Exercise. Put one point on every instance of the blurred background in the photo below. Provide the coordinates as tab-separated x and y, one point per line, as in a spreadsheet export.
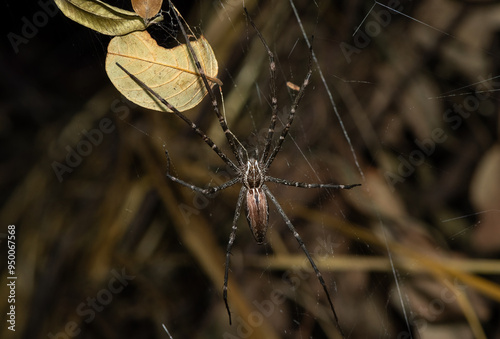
108	247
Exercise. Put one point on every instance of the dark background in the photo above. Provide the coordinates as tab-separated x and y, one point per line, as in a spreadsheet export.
116	213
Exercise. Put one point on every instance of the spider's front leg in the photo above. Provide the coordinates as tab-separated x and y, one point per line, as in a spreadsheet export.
204	191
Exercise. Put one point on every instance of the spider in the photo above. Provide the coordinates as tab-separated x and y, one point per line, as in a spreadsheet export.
251	171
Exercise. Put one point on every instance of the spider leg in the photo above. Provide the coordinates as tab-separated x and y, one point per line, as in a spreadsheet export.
231	138
188	121
204	191
272	87
304	249
232	236
291	115
306	185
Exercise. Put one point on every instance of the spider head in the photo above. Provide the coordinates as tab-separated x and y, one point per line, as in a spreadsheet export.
253	174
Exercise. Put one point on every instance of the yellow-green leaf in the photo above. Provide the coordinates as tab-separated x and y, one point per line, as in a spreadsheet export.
169	72
104	18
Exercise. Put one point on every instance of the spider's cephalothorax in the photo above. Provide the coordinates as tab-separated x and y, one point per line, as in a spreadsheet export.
257	207
252	173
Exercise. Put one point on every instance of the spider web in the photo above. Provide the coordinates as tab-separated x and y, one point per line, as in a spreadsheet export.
402	100
416	314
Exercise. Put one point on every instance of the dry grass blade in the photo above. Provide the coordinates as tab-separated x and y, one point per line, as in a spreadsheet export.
170	72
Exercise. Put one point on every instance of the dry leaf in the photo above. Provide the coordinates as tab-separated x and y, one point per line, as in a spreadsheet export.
147	8
102	17
169	72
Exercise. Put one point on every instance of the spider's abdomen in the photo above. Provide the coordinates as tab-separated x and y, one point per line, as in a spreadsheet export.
257	213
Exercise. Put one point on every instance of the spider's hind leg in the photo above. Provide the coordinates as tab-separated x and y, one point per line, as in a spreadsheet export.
304	249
